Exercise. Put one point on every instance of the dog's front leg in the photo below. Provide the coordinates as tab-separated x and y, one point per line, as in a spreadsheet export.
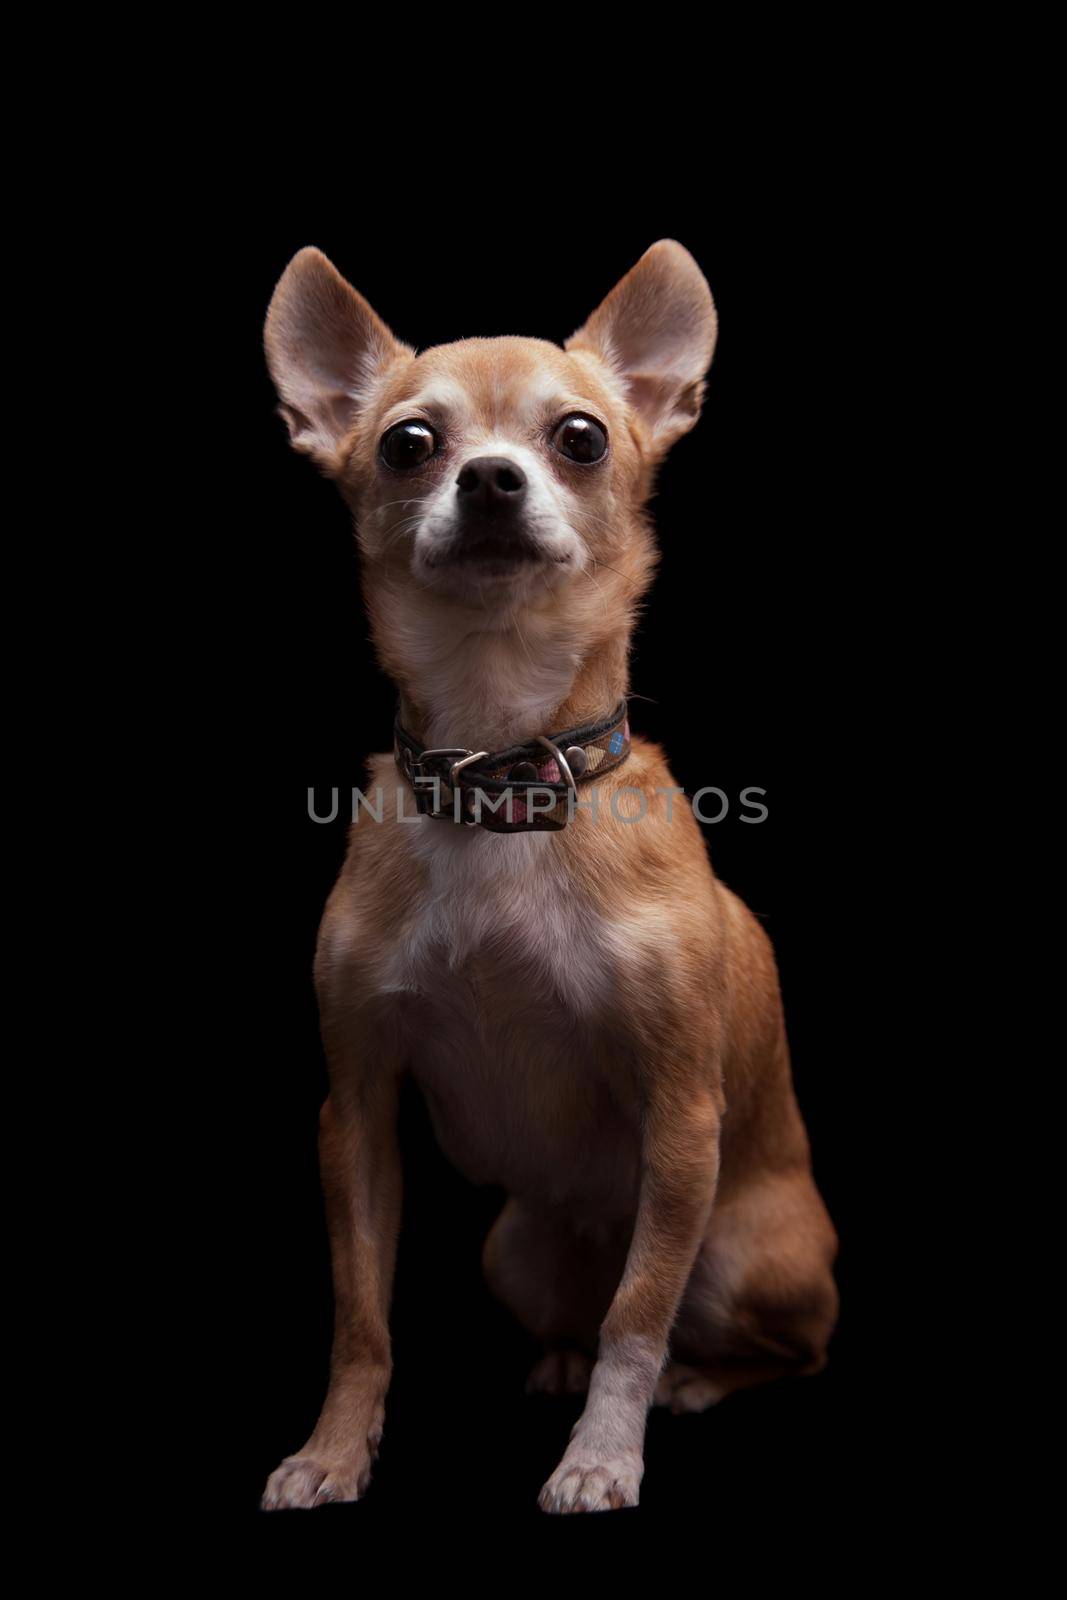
361	1182
602	1467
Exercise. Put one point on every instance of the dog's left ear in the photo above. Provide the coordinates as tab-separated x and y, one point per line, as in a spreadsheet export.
326	349
656	331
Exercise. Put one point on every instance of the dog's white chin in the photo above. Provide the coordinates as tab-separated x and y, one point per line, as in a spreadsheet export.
497	580
482	584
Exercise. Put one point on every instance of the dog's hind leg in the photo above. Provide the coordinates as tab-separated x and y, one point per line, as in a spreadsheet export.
761	1301
561	1370
683	1388
558	1280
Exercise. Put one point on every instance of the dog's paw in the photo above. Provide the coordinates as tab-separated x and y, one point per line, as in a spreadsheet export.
687	1389
593	1485
303	1482
560	1372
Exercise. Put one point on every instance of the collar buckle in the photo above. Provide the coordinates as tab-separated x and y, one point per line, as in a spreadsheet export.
444	766
576	755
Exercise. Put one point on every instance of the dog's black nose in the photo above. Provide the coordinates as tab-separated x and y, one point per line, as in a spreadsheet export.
491	483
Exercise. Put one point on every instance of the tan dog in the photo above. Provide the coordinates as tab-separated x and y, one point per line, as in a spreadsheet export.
593	1019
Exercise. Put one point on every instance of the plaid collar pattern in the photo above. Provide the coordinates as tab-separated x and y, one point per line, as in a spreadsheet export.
524	789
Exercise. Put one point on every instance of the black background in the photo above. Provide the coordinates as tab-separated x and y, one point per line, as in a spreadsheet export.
752	666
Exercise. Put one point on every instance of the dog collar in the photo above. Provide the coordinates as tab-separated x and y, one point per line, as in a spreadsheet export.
473	787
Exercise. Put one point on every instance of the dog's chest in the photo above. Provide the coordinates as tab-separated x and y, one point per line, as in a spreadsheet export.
508	1008
502	902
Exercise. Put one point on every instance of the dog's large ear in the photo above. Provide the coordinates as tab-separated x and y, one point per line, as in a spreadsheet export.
656	331
325	349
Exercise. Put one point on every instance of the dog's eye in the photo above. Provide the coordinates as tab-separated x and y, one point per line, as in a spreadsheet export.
407	444
580	439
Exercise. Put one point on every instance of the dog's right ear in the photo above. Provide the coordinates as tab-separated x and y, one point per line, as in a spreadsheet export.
326	349
656	331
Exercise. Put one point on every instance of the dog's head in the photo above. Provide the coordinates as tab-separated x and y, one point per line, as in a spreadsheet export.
492	470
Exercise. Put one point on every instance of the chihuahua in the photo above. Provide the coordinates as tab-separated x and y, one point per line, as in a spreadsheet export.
532	929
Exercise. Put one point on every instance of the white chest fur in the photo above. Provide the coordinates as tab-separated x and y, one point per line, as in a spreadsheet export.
510	892
506	989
